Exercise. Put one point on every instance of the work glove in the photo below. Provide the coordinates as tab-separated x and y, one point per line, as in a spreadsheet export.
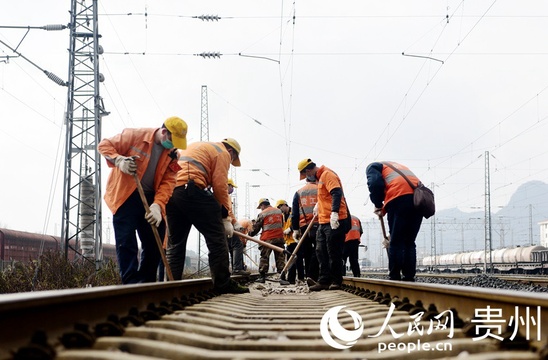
378	212
154	216
126	164
229	229
315	210
238	227
334	220
296	235
385	243
287	231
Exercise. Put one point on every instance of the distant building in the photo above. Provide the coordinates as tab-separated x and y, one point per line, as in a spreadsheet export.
544	233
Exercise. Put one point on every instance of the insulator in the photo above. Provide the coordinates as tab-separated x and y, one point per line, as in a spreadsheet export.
209	55
55	27
56	79
208	17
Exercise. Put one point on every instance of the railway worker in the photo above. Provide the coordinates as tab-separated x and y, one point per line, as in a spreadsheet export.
334	223
290	244
201	199
352	245
235	245
392	195
304	201
271	221
151	154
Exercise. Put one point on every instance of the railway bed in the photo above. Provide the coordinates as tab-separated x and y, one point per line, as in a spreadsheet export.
368	319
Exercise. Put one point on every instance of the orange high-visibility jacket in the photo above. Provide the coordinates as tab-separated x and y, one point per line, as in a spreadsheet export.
207	164
288	238
356	230
308	197
119	185
327	181
396	185
271	220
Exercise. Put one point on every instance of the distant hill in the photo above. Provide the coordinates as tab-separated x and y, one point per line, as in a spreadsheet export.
515	224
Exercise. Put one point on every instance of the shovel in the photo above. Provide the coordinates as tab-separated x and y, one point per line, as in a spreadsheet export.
154	228
293	256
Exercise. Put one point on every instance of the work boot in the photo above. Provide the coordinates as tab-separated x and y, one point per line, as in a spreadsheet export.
319	287
241	272
334	287
310	282
234	288
261	279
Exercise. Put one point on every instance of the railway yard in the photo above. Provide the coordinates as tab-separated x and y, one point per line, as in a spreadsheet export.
369	319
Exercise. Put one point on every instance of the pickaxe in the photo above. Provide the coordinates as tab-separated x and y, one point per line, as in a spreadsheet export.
263	243
386	240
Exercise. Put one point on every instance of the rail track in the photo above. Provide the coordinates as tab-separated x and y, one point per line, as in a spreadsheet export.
368	319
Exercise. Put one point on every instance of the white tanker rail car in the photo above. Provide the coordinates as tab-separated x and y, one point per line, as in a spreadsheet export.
518	260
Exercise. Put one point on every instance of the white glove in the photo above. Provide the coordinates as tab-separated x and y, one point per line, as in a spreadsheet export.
154	216
287	231
238	227
334	220
229	229
296	235
315	210
385	243
126	164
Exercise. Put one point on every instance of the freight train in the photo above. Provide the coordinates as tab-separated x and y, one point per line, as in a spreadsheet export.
24	246
518	260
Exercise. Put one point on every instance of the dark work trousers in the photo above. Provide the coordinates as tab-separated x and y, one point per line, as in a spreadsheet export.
279	257
350	253
129	218
311	265
189	206
298	266
329	248
236	252
404	223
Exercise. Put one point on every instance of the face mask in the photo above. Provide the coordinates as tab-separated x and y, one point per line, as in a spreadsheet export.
311	178
167	144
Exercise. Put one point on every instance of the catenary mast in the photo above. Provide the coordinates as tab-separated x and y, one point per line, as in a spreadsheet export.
81	225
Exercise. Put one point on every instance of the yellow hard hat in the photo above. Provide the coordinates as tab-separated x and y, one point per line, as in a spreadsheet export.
178	128
262	201
280	202
301	165
236	146
231	182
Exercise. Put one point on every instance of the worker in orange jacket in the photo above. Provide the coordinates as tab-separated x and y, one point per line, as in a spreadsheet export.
201	199
352	246
334	220
271	221
151	154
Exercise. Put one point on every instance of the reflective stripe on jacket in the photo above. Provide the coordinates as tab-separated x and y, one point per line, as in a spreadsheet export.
327	181
207	164
395	184
271	221
308	197
356	230
119	185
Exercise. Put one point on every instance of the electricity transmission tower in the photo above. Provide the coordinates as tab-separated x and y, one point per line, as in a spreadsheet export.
81	225
204	136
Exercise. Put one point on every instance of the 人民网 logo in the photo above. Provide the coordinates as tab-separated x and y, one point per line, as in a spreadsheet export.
337	336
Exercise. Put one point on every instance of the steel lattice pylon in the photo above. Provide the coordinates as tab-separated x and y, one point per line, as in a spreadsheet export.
204	136
81	225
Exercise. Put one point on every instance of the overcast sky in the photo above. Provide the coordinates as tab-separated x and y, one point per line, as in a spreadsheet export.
430	84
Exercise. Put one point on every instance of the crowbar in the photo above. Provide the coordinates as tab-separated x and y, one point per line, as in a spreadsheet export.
386	240
293	256
263	243
154	228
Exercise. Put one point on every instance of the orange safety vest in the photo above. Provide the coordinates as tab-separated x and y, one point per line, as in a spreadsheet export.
396	185
119	185
354	232
308	197
327	181
273	222
207	164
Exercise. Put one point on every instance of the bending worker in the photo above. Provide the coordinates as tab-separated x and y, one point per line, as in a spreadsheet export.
151	154
204	165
